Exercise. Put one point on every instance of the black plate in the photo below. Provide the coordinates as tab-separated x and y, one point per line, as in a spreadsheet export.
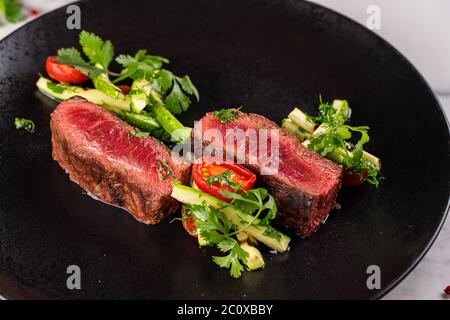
267	56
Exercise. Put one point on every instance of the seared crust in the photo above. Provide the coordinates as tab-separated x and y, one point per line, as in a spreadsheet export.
128	184
306	185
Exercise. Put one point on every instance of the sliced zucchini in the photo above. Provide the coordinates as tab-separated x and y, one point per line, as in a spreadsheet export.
265	234
376	162
63	92
300	119
103	84
255	259
140	90
298	132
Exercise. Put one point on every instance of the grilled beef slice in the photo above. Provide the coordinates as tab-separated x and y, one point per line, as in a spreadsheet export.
97	151
306	184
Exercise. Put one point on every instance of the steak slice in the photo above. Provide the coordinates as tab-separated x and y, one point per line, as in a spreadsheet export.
306	184
95	148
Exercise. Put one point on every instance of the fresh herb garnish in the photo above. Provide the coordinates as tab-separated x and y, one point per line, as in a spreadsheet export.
26	124
176	90
254	202
164	169
177	101
139	66
139	134
216	229
225	115
224	179
330	115
99	52
333	142
165	94
73	58
11	10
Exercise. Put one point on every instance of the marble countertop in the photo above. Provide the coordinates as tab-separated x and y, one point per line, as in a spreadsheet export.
416	28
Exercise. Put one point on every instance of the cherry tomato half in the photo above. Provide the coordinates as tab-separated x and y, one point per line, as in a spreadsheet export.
212	176
63	73
124	88
188	221
354	179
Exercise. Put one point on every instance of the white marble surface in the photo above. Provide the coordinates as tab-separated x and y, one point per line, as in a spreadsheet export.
42	6
419	29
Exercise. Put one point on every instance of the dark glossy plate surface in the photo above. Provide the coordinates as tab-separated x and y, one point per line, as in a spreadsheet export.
267	56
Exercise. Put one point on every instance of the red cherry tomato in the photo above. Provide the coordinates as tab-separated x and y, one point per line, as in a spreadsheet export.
354	179
124	88
63	73
208	168
447	290
188	221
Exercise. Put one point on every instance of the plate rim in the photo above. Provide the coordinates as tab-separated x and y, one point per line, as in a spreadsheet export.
444	214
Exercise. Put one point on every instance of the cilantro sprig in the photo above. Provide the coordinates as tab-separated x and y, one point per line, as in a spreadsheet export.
216	228
96	56
175	90
334	142
139	66
73	58
255	202
99	53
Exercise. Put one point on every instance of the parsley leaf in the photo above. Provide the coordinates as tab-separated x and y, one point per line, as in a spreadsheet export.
178	99
232	260
26	124
73	58
187	85
175	90
329	115
163	80
216	229
139	66
97	50
333	141
177	102
254	202
11	10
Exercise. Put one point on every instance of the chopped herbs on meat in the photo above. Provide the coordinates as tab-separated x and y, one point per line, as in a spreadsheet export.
226	115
